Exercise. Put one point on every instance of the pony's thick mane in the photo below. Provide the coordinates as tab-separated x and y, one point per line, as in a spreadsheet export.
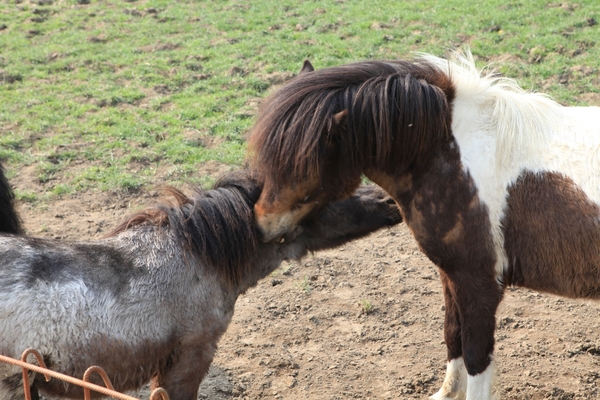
216	225
396	110
519	118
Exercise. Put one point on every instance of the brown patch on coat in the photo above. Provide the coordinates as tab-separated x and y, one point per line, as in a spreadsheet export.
390	183
456	234
552	236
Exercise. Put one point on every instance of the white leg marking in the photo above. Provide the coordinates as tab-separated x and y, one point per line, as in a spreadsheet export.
455	382
479	387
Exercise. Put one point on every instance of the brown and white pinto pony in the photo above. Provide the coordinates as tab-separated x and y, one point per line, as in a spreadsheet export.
151	300
499	187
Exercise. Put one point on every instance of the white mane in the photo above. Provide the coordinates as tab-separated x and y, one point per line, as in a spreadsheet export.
519	119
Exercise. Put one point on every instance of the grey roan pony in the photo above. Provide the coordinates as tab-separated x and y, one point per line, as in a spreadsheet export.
150	301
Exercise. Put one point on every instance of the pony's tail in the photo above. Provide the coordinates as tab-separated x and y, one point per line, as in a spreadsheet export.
9	219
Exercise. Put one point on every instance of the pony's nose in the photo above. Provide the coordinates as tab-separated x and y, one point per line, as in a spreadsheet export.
260	234
266	237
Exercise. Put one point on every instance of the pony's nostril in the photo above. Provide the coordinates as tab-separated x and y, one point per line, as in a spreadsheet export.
260	235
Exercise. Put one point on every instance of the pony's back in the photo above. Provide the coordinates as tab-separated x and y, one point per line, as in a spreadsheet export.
9	219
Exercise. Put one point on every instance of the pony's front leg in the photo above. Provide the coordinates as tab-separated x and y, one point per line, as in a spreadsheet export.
477	296
190	365
455	382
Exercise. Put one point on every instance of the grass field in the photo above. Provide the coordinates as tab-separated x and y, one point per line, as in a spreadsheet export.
101	96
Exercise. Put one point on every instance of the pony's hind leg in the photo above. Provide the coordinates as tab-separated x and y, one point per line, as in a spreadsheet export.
455	382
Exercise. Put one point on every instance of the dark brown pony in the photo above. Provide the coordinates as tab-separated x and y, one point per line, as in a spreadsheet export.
9	219
480	170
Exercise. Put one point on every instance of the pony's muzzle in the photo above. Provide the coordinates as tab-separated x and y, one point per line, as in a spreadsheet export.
274	223
271	227
279	235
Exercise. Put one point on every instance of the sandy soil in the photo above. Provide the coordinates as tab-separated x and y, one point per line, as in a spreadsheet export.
307	332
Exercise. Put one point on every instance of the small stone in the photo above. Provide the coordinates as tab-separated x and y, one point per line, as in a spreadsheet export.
236	71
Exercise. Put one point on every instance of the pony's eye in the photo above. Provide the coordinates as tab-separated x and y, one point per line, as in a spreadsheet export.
281	240
304	200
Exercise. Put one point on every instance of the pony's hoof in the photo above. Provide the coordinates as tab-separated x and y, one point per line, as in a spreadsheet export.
444	395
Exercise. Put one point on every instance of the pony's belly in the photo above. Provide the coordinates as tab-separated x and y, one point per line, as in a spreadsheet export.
552	236
129	367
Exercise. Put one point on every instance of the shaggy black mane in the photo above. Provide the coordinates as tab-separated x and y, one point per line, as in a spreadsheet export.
397	112
9	219
216	225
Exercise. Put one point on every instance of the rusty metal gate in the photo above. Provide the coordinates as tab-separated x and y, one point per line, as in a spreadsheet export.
157	394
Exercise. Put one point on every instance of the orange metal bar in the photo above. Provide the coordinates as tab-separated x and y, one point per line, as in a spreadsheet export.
108	391
159	392
86	378
40	360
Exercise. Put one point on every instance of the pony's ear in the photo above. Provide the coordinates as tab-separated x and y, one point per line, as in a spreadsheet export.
338	123
338	120
306	67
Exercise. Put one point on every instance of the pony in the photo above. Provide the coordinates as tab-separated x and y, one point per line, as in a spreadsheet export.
150	301
499	186
9	219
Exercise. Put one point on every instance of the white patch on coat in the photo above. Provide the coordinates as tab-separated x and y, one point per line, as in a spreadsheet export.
480	386
503	130
455	382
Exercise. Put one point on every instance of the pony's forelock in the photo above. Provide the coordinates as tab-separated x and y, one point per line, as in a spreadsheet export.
397	112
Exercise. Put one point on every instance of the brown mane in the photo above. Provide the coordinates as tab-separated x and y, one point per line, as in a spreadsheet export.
216	225
397	111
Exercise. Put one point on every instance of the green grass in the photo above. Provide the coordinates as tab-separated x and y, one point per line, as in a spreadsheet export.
304	285
366	307
126	88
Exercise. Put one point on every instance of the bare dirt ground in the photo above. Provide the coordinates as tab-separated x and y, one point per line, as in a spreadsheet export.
307	332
